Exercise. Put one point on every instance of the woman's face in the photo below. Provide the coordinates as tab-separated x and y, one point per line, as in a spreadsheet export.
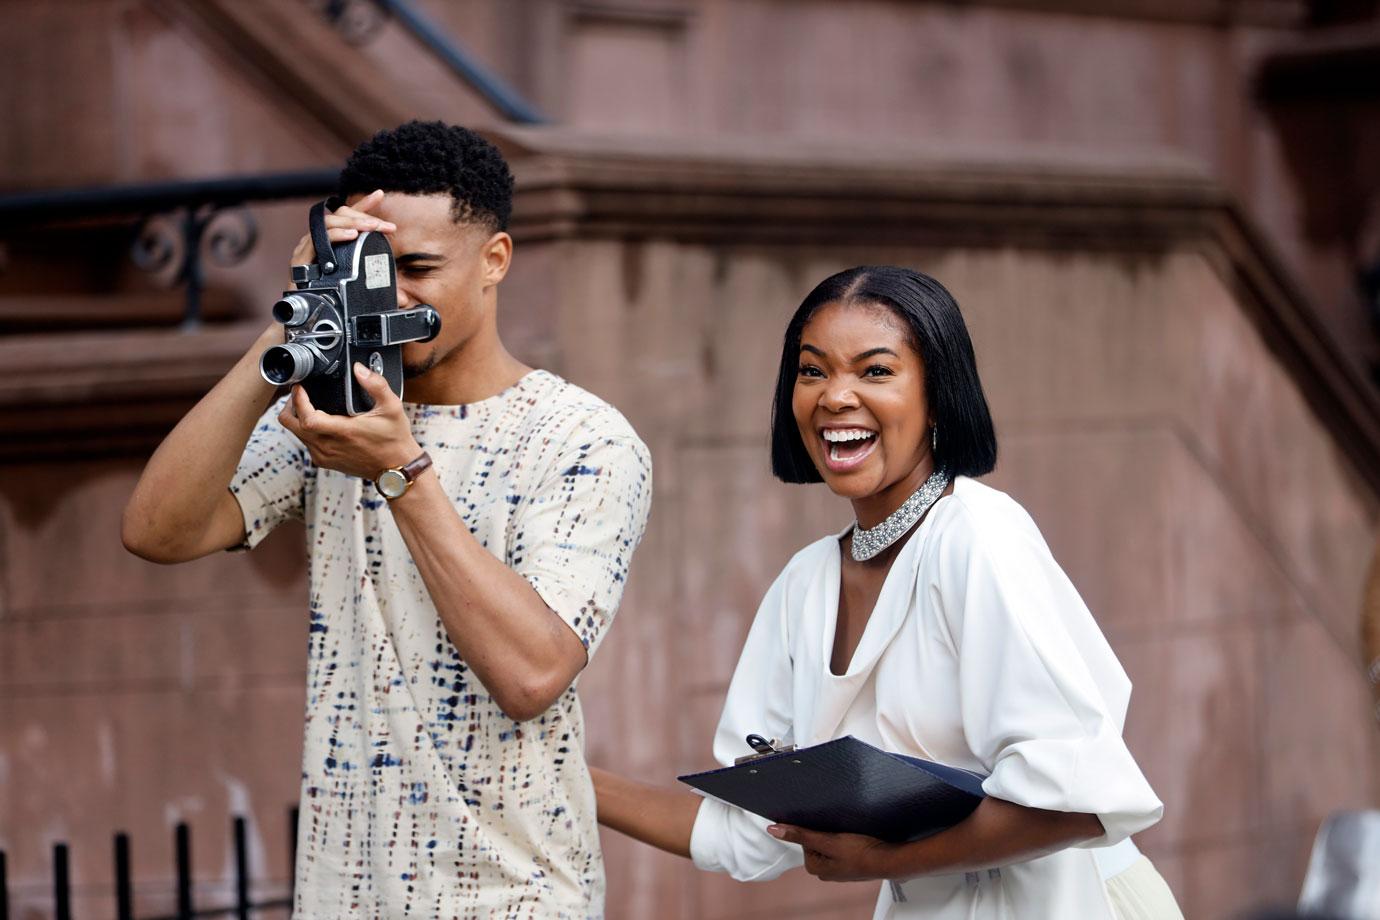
860	403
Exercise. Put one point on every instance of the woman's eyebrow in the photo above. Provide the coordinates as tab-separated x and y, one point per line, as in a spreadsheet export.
870	353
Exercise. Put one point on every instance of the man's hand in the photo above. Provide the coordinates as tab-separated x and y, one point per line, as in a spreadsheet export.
363	445
345	223
839	857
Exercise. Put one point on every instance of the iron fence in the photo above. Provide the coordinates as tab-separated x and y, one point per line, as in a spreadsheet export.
243	907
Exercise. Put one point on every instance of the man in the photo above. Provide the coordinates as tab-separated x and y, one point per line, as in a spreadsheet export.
443	771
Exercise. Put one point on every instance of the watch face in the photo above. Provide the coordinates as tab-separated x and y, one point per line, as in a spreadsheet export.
391	483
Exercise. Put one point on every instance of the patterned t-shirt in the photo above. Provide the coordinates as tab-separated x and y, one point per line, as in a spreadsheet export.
420	798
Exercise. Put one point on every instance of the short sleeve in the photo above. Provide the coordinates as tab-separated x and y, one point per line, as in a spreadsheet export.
1042	695
269	483
726	838
573	539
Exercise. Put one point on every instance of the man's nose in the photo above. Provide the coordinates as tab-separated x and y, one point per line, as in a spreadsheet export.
404	299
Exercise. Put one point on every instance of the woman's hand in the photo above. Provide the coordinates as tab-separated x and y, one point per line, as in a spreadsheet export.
839	857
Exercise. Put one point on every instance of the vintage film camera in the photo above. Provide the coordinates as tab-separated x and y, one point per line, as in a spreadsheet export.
344	309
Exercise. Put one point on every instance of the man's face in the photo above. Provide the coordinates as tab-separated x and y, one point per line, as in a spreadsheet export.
440	263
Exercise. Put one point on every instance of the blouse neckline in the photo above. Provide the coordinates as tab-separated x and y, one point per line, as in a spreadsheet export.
859	663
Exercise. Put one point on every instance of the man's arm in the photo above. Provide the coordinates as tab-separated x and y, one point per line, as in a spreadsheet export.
182	507
525	655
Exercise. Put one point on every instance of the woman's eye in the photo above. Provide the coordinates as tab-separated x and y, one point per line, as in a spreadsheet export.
878	370
809	370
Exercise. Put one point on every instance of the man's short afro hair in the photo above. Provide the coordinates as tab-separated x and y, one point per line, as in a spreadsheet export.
429	157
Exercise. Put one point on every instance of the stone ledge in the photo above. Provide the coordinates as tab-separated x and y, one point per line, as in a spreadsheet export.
66	396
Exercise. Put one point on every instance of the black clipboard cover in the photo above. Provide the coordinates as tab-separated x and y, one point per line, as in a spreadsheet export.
847	786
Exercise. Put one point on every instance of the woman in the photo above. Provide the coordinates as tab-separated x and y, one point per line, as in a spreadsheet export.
938	625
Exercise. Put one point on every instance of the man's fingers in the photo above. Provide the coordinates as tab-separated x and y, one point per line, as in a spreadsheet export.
305	251
344	224
288	419
357	216
368	202
309	418
377	387
386	402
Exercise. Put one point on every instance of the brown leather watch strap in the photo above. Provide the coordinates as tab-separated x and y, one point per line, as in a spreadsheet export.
415	468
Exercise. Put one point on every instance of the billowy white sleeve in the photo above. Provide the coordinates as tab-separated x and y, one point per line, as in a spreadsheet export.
726	838
1043	696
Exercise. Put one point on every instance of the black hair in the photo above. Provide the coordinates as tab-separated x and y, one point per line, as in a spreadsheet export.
430	157
967	441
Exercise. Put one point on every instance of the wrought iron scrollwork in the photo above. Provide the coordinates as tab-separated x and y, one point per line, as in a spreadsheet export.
231	235
173	246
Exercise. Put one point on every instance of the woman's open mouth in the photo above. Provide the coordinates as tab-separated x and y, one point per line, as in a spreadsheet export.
845	448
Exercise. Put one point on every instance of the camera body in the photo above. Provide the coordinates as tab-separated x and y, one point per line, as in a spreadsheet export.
343	310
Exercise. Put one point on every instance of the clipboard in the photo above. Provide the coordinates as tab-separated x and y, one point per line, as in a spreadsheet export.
845	786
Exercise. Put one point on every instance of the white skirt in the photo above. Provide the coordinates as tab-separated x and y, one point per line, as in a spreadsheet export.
1140	893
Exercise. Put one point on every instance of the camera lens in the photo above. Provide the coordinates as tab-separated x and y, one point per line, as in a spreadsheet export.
292	310
284	365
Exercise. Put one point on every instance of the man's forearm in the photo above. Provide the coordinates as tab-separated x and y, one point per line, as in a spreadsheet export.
175	501
523	653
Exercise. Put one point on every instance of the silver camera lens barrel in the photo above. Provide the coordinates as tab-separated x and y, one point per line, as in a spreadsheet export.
292	310
284	365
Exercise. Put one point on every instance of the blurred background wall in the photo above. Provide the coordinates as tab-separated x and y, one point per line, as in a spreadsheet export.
1161	220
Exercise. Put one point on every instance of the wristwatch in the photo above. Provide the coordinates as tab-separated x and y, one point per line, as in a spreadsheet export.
395	482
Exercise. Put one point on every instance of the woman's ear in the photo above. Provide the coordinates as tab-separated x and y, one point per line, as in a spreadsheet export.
497	255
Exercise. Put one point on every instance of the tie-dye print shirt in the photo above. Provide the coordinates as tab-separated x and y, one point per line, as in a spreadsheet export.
420	798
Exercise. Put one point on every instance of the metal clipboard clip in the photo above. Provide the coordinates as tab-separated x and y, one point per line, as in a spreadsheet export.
763	747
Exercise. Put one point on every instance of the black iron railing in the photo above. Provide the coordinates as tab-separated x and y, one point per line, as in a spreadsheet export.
243	907
177	226
357	20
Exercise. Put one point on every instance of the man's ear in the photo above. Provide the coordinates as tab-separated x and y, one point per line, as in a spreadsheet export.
496	255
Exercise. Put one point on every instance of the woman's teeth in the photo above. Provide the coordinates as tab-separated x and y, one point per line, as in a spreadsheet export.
847	441
846	434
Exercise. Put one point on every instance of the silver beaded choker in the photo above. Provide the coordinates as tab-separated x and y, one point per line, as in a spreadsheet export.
868	542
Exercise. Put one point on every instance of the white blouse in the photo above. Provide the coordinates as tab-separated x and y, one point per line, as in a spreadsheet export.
979	654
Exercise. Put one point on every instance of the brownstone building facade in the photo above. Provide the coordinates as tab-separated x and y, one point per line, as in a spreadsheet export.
1153	214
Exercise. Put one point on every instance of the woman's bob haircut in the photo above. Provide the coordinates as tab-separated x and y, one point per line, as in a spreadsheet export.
967	443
